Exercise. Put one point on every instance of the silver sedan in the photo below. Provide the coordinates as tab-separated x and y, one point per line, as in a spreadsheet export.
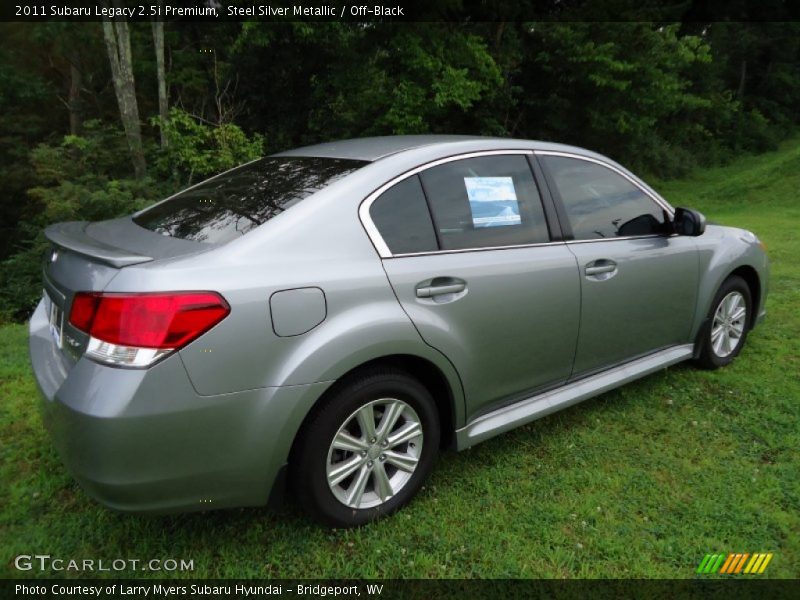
328	319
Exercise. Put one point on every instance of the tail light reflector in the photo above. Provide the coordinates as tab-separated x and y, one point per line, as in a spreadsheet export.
138	329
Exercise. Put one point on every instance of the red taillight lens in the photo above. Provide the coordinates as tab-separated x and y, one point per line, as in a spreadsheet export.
84	307
148	320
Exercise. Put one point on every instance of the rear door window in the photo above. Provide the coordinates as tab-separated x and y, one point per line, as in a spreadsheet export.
485	202
231	204
402	218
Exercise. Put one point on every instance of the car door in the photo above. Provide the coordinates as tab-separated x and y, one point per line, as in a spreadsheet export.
638	281
470	258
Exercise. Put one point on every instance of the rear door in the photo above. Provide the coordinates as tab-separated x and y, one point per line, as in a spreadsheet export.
638	282
467	249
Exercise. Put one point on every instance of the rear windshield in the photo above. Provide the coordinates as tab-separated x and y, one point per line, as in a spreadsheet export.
233	203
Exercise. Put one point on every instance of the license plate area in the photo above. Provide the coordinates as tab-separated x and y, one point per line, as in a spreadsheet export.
55	319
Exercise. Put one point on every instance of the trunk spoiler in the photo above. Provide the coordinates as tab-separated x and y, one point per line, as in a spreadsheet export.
73	237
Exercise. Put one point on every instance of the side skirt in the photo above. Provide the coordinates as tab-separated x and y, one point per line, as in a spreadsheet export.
527	410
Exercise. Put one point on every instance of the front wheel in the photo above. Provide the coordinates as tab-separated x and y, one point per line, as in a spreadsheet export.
728	319
367	449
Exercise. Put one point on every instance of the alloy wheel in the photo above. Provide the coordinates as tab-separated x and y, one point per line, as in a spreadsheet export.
728	325
374	453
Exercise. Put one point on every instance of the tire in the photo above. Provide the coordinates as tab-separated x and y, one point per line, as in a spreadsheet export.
405	453
726	328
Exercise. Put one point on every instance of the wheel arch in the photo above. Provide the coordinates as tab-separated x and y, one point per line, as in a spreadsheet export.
751	278
424	370
724	252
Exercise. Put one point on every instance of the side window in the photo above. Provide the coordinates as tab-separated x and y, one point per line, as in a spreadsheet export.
601	203
402	218
485	202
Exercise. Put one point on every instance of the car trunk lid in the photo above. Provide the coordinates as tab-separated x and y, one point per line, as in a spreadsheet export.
75	238
85	257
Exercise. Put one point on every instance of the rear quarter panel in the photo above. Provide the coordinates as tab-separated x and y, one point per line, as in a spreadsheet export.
320	243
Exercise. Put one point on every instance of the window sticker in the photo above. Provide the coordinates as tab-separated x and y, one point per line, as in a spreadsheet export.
493	201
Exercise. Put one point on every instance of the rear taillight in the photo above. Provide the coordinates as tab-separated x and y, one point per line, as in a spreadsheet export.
137	329
84	306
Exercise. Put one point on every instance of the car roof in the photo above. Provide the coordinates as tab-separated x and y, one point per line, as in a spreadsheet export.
375	148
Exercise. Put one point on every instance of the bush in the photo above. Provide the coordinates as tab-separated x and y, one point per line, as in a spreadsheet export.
87	178
79	179
195	150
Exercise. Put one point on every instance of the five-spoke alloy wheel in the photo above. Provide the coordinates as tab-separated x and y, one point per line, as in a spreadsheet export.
367	449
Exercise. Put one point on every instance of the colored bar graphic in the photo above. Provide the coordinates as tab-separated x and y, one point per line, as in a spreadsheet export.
752	562
765	563
731	563
741	562
758	562
727	564
704	563
715	568
735	563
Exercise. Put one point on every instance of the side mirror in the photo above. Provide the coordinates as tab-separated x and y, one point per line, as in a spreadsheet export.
688	221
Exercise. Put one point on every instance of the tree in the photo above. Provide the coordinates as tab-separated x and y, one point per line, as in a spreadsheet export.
74	99
118	45
163	102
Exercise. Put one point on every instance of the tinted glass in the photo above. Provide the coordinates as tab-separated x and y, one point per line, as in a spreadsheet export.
485	202
601	203
402	218
232	204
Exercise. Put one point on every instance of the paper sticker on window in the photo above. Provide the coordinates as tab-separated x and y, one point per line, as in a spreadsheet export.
493	201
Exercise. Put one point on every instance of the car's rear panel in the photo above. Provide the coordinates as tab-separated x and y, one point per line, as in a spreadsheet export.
85	257
144	439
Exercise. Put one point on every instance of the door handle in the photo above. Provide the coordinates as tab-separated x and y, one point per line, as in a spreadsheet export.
437	289
599	267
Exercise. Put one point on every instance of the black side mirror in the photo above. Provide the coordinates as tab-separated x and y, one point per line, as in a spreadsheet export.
688	221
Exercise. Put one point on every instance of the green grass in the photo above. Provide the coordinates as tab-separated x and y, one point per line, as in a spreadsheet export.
640	482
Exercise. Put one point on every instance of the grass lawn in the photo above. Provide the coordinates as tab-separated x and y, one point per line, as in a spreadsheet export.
640	482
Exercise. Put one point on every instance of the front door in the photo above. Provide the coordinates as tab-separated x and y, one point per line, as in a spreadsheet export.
638	282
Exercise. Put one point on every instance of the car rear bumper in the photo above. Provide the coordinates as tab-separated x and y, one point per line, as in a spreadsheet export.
143	440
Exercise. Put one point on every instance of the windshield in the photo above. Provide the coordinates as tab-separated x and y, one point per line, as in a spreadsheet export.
235	202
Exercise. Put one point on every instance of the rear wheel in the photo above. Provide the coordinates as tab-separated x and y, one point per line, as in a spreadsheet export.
367	449
728	320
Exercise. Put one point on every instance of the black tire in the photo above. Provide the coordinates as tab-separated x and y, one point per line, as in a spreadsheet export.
708	358
310	458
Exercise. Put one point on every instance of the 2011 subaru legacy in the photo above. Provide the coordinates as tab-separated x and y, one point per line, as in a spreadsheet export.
331	317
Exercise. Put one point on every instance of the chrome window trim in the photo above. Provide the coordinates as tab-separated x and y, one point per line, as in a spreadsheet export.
383	249
622	238
477	249
377	238
652	195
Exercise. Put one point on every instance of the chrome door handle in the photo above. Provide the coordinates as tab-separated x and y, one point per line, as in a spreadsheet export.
429	291
600	269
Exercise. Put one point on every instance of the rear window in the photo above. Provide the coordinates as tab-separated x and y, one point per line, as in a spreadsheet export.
401	215
233	203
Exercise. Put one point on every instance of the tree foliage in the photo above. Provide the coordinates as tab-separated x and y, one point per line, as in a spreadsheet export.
194	149
658	94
